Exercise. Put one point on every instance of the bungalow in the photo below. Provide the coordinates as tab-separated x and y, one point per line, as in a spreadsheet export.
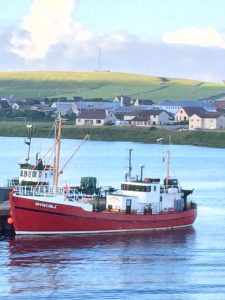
96	117
152	117
207	120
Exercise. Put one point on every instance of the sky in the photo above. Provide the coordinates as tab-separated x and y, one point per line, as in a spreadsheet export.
168	38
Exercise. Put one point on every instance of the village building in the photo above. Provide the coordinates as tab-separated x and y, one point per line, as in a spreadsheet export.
98	117
174	106
124	100
4	104
65	108
184	113
207	120
150	117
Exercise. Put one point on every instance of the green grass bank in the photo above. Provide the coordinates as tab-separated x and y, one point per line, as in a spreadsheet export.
140	135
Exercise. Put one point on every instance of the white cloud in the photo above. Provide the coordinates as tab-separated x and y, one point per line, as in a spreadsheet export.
204	37
48	24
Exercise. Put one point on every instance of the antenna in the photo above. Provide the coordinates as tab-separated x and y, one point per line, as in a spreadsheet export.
28	140
142	167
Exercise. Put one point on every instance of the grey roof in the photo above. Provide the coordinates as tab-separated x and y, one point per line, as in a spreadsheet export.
193	110
209	115
97	105
148	112
145	102
187	103
92	114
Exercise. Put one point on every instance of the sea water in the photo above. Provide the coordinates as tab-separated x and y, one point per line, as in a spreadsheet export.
177	264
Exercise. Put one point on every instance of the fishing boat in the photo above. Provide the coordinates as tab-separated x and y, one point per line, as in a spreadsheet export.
38	205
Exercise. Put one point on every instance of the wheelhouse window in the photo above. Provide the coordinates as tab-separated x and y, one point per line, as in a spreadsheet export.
34	174
138	188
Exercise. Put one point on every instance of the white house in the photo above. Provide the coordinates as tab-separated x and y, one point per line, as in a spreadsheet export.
96	117
207	120
147	117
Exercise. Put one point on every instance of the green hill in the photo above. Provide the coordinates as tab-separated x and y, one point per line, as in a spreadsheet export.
106	85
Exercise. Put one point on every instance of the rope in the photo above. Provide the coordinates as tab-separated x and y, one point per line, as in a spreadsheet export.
76	150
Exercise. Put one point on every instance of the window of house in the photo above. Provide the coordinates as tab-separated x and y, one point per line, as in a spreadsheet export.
98	121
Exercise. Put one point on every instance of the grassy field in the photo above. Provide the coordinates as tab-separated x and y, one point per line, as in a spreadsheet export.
106	85
140	135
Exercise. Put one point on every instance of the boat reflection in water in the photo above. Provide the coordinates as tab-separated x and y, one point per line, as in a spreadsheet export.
75	267
31	244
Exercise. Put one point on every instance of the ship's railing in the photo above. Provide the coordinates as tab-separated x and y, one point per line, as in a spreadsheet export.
72	194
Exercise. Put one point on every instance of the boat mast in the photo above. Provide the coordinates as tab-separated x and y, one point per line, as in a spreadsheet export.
58	131
130	166
168	169
28	140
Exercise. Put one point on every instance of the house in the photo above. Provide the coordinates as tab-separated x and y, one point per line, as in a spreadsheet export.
18	105
183	114
88	105
46	110
95	117
143	102
174	106
124	100
151	117
65	108
207	120
4	104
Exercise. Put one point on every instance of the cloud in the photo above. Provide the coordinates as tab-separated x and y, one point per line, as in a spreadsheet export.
204	37
48	24
50	39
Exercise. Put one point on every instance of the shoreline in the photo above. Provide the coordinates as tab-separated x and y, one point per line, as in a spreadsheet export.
212	139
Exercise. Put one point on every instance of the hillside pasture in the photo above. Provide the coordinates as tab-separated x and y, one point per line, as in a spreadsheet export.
106	85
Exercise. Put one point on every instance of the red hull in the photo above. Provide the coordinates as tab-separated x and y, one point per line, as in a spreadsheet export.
29	218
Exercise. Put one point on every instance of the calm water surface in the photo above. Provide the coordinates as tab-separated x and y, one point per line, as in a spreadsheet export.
181	264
